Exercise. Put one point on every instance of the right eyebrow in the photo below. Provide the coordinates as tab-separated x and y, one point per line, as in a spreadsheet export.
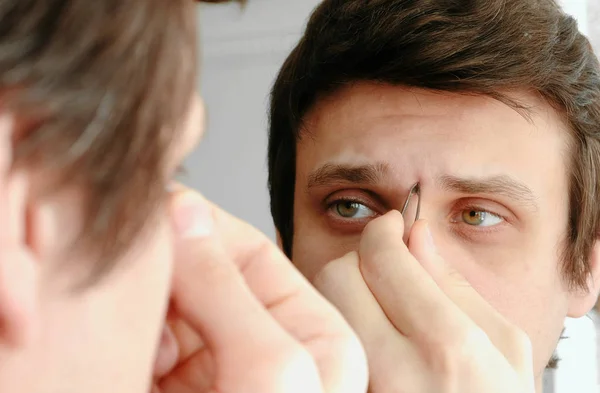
328	174
498	185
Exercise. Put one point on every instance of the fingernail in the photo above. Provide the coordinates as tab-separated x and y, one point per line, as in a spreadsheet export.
430	241
192	215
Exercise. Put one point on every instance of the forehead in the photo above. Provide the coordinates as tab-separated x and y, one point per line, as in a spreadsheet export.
423	133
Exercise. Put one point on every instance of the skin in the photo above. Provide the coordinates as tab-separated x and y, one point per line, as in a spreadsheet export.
453	145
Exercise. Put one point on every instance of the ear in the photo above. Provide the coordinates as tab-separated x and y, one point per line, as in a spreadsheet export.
583	302
18	267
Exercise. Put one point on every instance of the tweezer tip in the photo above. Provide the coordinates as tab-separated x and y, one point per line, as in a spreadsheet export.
416	189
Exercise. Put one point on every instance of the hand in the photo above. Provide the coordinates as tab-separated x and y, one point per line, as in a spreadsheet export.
424	328
244	320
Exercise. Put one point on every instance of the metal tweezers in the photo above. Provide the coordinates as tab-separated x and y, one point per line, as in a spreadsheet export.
415	190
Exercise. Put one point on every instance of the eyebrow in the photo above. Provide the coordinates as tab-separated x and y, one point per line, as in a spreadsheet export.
497	185
372	174
327	174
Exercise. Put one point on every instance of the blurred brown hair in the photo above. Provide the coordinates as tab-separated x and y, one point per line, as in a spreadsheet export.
485	47
108	82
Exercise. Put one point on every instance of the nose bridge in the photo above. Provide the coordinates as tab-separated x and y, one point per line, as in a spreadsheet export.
411	206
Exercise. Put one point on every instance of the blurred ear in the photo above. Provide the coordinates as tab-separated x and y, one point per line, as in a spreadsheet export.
18	265
583	302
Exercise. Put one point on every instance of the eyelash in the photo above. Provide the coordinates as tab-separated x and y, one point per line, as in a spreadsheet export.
339	201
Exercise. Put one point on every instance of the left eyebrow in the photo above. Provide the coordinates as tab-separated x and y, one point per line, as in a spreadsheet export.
499	185
328	174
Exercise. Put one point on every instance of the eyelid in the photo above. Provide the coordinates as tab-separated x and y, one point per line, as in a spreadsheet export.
362	195
484	205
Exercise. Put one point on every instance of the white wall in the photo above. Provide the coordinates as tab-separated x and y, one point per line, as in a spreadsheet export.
242	52
577	8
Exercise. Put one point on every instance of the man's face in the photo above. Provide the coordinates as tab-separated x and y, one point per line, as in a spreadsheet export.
494	188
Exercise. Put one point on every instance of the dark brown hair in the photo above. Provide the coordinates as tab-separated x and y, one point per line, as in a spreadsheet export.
107	83
486	47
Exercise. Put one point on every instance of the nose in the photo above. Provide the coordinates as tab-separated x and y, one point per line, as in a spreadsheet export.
410	210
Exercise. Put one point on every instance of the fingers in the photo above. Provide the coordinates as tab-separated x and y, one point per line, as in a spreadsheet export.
188	340
297	306
242	294
196	374
211	295
168	353
409	296
512	342
341	282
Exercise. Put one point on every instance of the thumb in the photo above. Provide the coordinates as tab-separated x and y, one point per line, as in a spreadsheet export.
512	342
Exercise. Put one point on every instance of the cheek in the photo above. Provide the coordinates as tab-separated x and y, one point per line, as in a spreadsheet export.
523	284
314	245
314	249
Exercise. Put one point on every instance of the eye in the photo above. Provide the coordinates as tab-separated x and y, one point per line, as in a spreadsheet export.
351	209
480	218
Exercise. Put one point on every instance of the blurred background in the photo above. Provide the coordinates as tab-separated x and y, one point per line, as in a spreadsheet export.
241	54
242	51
